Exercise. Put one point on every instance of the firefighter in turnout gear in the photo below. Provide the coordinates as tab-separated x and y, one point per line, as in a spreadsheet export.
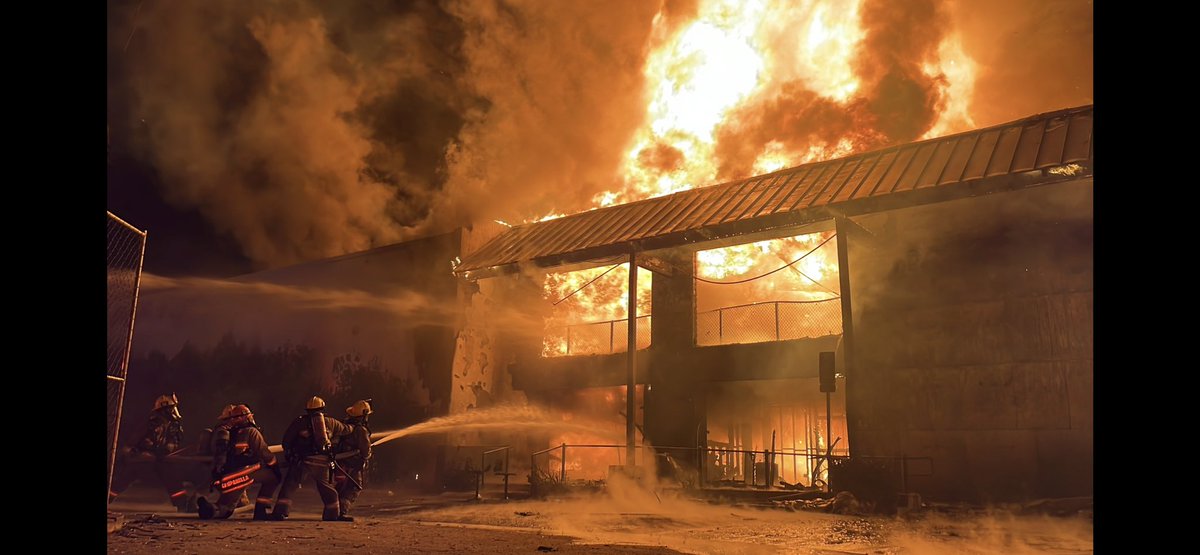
308	446
353	453
205	445
241	456
144	459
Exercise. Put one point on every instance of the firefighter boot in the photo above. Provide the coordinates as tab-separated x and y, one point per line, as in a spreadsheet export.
281	510
204	508
261	511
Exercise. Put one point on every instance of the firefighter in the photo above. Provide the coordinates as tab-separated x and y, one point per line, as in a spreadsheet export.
145	458
241	457
353	453
205	444
308	446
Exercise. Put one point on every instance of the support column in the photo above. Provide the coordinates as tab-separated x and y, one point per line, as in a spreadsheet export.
842	227
631	370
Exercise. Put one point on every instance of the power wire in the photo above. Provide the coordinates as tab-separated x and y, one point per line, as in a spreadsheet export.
814	249
587	284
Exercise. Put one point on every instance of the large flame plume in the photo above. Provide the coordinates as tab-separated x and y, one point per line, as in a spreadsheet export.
315	129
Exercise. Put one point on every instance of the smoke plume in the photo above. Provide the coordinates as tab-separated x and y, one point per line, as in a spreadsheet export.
311	129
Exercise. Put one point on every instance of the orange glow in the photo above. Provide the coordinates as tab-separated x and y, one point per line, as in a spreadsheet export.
732	50
603	408
592	320
958	72
698	75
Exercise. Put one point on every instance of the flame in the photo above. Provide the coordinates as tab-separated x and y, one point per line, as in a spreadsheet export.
958	83
699	74
812	278
730	52
591	321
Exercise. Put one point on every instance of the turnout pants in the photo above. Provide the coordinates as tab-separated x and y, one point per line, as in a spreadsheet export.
241	481
318	471
346	489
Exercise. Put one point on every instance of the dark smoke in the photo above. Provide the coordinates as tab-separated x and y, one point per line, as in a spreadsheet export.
901	36
796	117
311	129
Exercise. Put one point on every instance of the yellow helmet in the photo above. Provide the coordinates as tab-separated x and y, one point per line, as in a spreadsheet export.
315	403
359	409
165	401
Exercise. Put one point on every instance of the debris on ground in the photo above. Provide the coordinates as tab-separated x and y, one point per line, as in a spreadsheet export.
1066	506
844	503
115	521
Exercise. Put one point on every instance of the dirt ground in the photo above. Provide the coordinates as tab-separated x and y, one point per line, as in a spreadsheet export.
623	520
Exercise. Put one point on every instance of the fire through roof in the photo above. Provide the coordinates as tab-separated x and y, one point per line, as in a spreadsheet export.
1022	153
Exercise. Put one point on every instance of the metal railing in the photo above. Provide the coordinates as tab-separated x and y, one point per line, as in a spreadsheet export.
740	467
596	338
483	470
769	321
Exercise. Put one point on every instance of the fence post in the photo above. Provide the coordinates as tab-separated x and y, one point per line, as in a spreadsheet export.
563	480
506	450
776	320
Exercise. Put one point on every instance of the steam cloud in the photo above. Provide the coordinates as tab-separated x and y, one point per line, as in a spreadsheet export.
308	129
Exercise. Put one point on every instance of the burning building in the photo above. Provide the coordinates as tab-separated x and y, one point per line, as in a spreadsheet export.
951	278
751	187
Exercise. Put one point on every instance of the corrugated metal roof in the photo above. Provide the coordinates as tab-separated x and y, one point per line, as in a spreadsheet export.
1034	143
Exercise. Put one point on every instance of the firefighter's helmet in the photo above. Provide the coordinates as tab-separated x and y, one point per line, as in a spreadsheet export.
359	409
165	401
239	410
316	403
225	412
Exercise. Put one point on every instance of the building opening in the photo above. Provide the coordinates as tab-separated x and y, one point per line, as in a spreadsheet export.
774	290
590	311
772	432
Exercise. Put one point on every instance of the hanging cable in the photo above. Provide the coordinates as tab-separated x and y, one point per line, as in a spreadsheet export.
587	284
821	285
814	249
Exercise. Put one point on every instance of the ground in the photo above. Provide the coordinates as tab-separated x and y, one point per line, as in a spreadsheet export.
622	520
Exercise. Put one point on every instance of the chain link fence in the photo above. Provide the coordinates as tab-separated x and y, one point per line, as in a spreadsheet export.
126	247
769	321
596	338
